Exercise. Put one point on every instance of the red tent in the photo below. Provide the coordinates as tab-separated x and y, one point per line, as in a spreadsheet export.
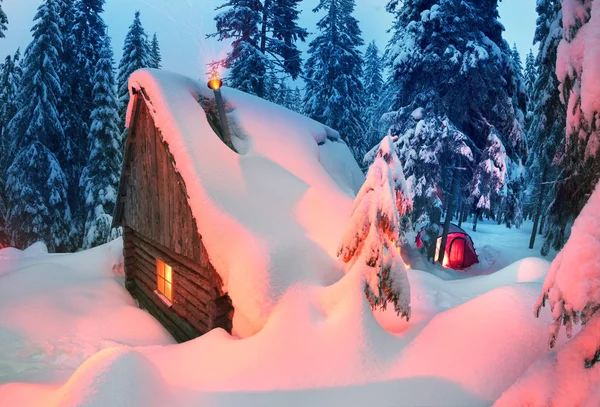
460	251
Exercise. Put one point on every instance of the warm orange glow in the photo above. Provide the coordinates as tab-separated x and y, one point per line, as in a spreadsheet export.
164	279
407	266
214	81
438	245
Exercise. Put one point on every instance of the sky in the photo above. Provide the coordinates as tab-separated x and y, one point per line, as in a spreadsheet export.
182	26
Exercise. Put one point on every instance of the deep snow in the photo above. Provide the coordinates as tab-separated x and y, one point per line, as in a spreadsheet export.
467	341
271	219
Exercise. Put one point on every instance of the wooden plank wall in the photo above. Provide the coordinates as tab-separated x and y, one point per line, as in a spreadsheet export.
158	223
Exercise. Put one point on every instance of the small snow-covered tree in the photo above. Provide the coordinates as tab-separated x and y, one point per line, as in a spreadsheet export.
100	177
488	185
334	90
155	55
37	190
135	56
370	241
3	21
530	76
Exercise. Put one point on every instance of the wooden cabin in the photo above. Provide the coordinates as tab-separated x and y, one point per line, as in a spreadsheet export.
167	268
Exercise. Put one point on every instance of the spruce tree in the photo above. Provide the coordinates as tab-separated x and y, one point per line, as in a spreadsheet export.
488	186
548	120
334	90
461	73
101	176
10	81
373	83
135	56
36	187
38	209
579	155
3	21
530	75
39	94
264	34
155	55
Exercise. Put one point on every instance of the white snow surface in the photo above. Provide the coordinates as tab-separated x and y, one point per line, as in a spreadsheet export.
70	335
289	192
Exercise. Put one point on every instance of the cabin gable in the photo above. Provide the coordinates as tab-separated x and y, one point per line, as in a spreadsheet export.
159	228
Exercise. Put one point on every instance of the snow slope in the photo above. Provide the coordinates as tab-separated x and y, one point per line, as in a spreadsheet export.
56	311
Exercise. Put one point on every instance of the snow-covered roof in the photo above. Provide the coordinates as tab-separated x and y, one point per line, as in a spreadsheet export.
290	189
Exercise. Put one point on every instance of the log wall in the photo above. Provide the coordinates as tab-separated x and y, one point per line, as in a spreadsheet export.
158	223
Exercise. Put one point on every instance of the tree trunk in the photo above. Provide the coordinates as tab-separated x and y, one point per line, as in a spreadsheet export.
475	219
260	92
461	214
435	220
538	210
449	212
542	224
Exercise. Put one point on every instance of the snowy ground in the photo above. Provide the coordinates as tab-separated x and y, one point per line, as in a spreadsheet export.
496	245
70	335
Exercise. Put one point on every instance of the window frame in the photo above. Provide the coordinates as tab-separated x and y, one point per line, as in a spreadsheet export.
164	279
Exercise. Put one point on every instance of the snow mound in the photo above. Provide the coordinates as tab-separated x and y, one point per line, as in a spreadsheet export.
271	217
113	377
36	249
561	378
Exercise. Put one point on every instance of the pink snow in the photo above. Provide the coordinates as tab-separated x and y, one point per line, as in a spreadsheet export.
258	208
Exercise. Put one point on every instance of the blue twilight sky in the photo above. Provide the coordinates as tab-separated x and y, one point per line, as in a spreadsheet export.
182	24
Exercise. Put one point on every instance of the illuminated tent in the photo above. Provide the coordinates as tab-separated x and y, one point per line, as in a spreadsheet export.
460	251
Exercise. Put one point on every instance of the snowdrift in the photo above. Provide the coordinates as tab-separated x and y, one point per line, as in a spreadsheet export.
271	218
288	192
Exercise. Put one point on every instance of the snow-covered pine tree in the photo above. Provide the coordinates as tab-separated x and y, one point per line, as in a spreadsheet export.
334	93
3	21
73	107
488	185
571	291
36	185
530	76
38	207
155	56
373	83
135	56
296	100
548	120
579	158
461	74
264	34
38	117
100	177
10	81
369	244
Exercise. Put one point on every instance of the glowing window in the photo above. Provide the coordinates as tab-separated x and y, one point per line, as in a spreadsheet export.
164	279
